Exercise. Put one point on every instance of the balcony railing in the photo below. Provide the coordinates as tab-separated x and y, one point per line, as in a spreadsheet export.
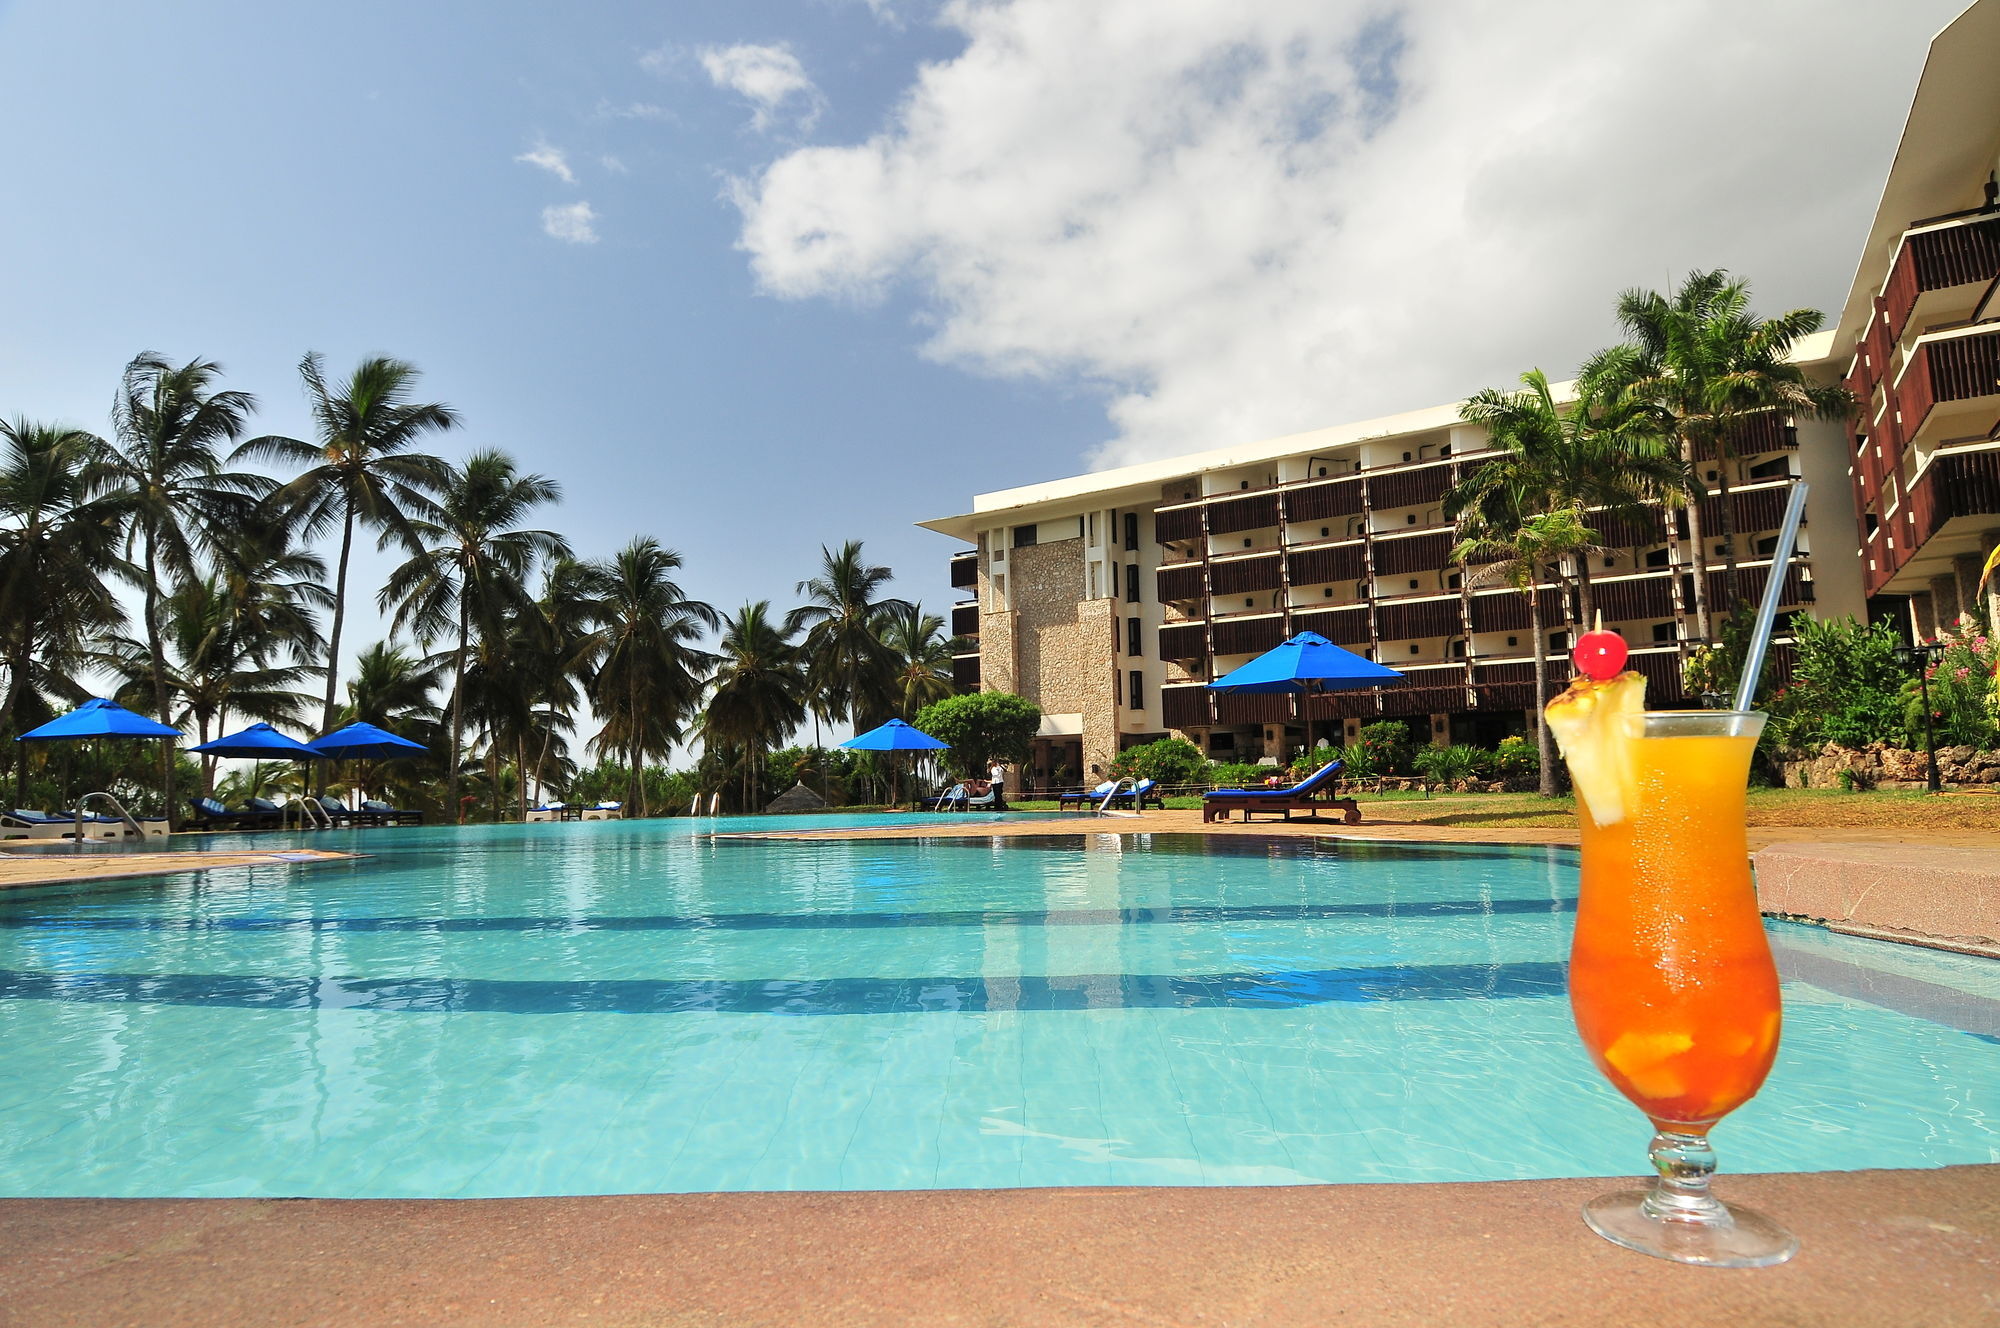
1953	253
964	570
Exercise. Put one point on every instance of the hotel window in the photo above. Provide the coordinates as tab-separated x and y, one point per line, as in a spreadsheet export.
1131	583
1024	537
1132	636
1663	631
1135	689
1132	532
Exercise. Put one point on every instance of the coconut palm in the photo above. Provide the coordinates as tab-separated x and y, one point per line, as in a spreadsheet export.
1519	546
646	670
56	543
470	573
550	660
1600	454
1702	363
757	696
923	654
163	466
849	670
360	470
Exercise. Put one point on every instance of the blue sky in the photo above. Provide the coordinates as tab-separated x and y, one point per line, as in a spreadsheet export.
845	264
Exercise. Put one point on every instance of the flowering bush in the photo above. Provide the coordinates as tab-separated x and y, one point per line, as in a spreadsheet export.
1962	694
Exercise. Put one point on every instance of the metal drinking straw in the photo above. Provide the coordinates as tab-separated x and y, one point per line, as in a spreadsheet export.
1774	589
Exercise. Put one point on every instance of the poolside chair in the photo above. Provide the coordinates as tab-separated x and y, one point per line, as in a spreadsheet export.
952	799
1139	795
1083	800
341	814
986	801
261	814
604	811
212	815
1309	794
386	814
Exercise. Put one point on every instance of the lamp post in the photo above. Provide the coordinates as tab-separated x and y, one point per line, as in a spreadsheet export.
1920	657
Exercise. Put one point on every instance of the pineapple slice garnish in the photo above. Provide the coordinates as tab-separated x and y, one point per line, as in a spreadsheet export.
1595	724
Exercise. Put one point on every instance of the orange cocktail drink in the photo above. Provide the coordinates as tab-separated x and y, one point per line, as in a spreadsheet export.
1671	979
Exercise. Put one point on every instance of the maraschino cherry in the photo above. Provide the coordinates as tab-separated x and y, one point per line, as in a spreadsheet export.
1599	654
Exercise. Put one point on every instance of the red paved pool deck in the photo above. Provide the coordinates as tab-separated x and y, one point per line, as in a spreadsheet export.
1915	1249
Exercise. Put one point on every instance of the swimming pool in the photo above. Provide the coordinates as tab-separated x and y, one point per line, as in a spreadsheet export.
614	1008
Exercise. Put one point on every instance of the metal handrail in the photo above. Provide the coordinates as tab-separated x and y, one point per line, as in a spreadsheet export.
312	816
138	830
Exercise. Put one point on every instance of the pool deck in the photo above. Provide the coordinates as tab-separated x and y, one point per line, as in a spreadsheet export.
54	865
1880	1248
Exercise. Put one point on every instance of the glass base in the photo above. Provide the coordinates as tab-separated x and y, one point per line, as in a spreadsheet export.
1733	1238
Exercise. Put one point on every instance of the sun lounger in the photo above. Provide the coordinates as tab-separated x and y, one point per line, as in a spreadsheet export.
605	811
1139	795
1085	800
212	815
952	799
23	824
385	814
1309	795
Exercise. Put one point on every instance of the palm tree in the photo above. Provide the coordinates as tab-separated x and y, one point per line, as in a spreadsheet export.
55	546
550	660
757	696
1520	546
647	673
848	669
923	655
164	470
1601	454
470	573
397	691
1702	363
361	470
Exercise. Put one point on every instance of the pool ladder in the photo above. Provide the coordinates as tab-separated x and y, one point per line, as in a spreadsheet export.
138	831
312	816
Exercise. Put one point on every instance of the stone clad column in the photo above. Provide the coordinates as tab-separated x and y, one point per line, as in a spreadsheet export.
1923	621
1944	602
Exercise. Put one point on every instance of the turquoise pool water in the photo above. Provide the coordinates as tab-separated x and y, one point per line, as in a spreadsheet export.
609	1008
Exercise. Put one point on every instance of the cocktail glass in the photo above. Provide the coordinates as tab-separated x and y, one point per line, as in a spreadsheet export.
1672	984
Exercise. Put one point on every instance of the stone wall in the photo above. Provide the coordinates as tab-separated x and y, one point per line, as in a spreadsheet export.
1881	766
1062	646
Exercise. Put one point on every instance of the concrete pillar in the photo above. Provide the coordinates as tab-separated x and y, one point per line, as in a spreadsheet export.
1923	621
1440	730
1965	570
1350	730
1944	602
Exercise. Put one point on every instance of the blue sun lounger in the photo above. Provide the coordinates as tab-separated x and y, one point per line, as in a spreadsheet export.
1309	794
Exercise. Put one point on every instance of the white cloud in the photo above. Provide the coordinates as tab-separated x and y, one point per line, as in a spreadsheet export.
572	223
1243	220
613	165
550	159
770	78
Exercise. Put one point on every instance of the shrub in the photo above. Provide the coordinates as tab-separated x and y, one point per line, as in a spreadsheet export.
1388	744
1357	761
982	727
1846	686
1237	774
1962	692
1515	757
1168	761
1447	765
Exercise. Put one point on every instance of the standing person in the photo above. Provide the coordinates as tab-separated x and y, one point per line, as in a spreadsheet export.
999	776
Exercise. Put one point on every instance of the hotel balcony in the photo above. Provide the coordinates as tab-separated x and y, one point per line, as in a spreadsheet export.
965	620
1949	391
964	570
1954	509
965	672
1939	270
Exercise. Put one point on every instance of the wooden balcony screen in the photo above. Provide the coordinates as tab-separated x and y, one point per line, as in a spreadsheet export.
1248	513
1247	636
1765	431
1507	611
1181	582
1403	622
1174	525
965	672
1409	488
1343	627
1339	562
1413	553
1429	699
1254	708
964	570
965	620
1322	706
1184	641
1185	707
1636	599
1242	576
1617	533
1938	260
1662	671
1954	486
1750	586
1317	502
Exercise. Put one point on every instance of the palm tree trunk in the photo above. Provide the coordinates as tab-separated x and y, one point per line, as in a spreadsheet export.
457	713
521	773
1729	577
339	617
1586	598
161	697
1544	740
492	780
1695	543
635	789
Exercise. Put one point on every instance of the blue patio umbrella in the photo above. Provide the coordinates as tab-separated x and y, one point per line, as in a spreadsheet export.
895	736
98	718
1307	663
260	742
364	742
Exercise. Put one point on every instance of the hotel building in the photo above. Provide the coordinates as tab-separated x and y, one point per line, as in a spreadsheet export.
1112	598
